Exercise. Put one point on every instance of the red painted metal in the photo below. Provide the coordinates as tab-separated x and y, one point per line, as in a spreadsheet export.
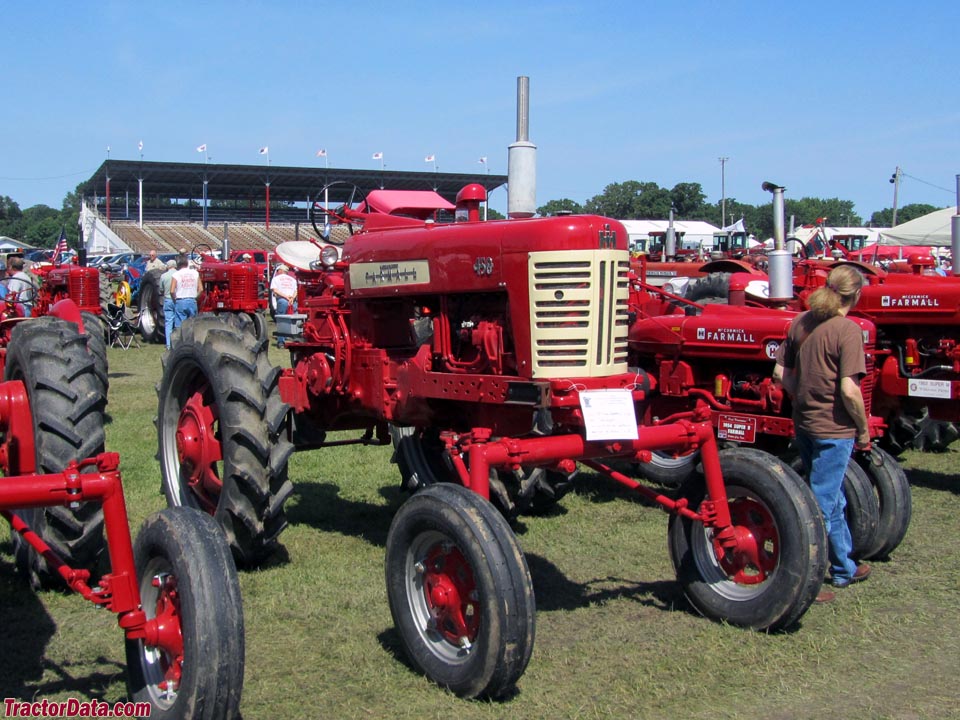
199	449
450	591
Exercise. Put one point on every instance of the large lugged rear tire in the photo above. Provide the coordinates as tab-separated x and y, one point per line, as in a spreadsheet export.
221	433
96	333
770	501
67	402
460	592
893	496
152	317
714	288
667	469
187	579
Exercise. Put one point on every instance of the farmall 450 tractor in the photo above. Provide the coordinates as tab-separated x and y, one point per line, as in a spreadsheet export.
175	590
495	355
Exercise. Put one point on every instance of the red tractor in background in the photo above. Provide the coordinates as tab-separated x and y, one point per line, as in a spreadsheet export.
724	356
175	590
231	286
494	356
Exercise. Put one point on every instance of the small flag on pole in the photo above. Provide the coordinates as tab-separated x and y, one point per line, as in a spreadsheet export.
378	156
321	153
202	148
61	248
140	146
430	158
483	160
264	150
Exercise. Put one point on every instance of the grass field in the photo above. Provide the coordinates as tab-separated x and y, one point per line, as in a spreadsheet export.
615	637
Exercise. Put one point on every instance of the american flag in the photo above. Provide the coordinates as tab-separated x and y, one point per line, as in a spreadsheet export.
61	248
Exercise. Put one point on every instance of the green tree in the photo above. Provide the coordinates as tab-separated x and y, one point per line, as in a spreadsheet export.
631	200
884	218
555	207
688	199
494	214
808	210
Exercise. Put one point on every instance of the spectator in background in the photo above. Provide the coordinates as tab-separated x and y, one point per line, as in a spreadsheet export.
283	289
169	311
21	284
153	262
185	286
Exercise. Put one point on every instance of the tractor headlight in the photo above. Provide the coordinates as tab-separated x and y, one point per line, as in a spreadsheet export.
329	255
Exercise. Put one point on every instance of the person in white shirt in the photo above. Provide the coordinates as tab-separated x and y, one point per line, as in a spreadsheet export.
153	262
185	286
283	287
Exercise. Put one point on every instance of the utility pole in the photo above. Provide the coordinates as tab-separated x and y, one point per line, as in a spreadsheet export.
895	179
723	191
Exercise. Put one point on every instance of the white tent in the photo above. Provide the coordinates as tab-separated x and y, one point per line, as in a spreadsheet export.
930	229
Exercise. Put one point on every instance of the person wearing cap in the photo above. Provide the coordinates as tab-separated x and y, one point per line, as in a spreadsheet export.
169	311
246	257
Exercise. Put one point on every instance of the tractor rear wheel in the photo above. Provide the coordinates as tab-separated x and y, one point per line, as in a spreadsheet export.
781	558
863	510
187	582
460	592
666	469
152	317
96	333
893	496
221	433
67	400
714	288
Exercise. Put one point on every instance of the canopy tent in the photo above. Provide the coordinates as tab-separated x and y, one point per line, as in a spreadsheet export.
930	229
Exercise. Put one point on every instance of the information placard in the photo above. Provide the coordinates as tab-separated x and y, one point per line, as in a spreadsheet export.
609	414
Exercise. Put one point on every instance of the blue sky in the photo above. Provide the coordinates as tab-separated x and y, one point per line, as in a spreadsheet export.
823	98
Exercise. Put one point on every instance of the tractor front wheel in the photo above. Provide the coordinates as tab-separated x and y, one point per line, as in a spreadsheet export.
188	584
460	592
221	430
772	575
152	316
863	510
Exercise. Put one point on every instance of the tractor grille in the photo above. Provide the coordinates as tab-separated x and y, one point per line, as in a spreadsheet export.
867	383
84	287
578	313
244	285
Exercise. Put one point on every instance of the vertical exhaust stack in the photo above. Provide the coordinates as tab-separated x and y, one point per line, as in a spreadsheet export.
522	160
670	241
780	270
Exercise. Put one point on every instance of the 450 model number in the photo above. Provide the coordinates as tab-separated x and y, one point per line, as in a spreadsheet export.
483	266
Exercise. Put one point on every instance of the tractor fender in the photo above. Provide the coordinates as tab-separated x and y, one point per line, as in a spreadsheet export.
68	310
730	266
864	268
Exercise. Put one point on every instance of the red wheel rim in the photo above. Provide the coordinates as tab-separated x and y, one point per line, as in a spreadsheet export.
757	548
168	636
199	449
451	594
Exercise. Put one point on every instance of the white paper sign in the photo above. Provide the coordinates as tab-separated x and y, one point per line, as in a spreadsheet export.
609	414
929	388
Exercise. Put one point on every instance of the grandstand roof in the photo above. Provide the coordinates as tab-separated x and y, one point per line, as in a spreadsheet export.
242	182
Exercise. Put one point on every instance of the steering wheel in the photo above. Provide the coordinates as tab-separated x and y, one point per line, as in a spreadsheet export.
202	250
335	216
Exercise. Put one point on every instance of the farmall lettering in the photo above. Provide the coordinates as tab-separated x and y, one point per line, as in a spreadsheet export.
726	335
909	301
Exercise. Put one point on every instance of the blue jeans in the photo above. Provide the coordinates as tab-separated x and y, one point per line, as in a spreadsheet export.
183	308
826	461
169	315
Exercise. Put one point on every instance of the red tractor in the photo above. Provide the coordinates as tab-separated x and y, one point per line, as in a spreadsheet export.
494	356
917	369
228	287
724	356
175	590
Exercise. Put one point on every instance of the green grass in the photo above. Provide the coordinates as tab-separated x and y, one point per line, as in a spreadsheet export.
615	637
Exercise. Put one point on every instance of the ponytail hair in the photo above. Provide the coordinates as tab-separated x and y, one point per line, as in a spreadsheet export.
843	284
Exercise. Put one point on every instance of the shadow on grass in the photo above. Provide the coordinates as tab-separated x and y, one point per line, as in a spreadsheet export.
555	591
27	628
320	506
934	480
